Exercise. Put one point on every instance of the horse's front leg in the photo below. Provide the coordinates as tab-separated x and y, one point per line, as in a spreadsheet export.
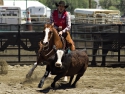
40	85
31	70
55	80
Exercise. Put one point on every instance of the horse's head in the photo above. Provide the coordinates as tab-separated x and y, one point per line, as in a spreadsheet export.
50	39
48	32
59	56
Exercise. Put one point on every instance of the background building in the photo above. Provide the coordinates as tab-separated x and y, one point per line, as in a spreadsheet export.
23	4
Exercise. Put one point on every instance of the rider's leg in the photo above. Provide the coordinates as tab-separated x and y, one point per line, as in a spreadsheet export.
70	41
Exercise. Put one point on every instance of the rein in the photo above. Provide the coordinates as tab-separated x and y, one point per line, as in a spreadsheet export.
64	43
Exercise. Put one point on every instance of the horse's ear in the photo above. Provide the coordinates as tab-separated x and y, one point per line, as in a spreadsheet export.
45	25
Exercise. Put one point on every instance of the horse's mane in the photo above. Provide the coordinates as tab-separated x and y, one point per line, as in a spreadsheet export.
54	29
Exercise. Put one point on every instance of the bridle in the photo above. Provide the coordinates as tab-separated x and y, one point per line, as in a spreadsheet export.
46	48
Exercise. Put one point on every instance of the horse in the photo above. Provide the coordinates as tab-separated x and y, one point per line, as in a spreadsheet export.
70	64
51	38
114	42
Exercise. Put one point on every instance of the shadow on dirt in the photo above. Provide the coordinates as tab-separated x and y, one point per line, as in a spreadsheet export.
110	65
61	86
116	65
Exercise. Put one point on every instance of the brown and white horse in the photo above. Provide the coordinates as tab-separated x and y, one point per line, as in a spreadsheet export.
51	39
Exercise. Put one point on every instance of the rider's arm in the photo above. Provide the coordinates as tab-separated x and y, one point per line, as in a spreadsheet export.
68	23
52	20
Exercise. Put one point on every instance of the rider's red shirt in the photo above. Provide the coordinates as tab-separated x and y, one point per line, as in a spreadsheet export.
60	21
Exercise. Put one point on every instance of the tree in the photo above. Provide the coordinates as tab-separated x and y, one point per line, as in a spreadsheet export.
72	4
113	4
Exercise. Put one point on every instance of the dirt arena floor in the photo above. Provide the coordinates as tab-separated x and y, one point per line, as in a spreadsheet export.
96	80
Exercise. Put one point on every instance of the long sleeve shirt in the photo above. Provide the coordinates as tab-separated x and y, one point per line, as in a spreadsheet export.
68	21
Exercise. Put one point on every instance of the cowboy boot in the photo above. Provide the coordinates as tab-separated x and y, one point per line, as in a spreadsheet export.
70	41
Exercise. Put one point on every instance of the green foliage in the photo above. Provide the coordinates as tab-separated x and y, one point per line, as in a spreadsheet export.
113	4
72	4
113	8
105	4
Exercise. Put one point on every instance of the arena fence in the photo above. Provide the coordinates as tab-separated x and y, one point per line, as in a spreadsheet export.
19	43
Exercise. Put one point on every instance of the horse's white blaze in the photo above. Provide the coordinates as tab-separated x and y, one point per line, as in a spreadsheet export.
45	40
59	57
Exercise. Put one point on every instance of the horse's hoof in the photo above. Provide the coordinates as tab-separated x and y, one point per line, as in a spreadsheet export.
28	76
53	85
73	85
40	85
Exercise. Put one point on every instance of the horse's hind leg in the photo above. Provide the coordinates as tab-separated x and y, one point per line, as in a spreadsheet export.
70	81
31	70
77	78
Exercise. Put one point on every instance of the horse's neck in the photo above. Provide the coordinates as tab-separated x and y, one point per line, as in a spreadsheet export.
57	39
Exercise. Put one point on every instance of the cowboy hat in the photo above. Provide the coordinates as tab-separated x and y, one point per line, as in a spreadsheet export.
61	3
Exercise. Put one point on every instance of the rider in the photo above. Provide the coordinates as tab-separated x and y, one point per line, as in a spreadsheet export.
62	22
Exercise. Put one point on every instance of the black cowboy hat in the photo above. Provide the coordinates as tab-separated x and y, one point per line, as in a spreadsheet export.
61	3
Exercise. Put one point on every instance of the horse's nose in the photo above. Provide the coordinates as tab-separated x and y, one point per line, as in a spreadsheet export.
45	43
58	64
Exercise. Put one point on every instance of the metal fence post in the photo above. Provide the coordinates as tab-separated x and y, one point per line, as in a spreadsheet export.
119	28
19	38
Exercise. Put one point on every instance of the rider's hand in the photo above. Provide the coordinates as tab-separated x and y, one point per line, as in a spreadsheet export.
61	32
60	28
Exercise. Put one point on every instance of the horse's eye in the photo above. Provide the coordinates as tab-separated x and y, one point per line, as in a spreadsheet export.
50	32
